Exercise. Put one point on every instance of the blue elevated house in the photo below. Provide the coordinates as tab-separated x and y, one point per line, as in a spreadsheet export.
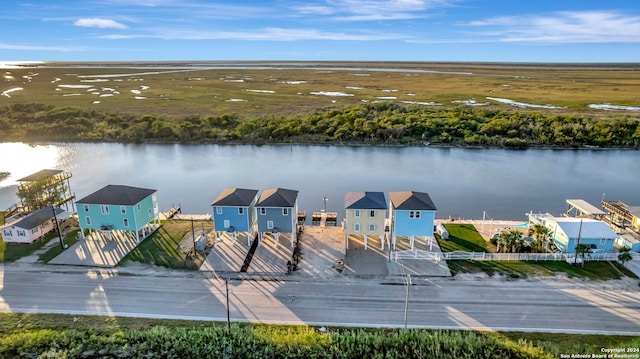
234	212
365	215
567	232
412	214
119	208
277	211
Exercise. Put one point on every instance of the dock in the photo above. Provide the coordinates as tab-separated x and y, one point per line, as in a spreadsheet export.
324	219
170	213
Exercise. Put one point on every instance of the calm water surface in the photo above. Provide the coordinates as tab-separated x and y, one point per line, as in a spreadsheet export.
462	182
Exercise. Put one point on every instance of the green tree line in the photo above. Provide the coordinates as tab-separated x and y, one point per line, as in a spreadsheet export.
380	124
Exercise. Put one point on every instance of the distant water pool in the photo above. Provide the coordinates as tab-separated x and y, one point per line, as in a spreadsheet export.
503	184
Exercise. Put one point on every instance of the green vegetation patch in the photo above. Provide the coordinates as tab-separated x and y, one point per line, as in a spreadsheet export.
10	252
162	248
67	336
597	270
463	237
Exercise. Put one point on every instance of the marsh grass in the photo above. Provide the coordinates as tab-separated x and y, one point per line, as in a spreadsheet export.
206	91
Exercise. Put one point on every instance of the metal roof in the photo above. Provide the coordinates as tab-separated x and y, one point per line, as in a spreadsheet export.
36	218
591	228
277	197
411	200
117	195
235	197
585	207
365	200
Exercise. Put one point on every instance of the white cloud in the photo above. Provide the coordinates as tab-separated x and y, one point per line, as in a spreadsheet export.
263	34
35	48
564	27
373	10
100	23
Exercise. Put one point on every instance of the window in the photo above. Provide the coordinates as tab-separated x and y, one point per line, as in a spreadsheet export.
372	227
241	210
414	214
35	230
417	214
372	213
218	210
357	213
227	223
123	209
21	233
126	222
6	232
411	215
269	224
138	207
263	211
86	208
285	211
603	241
150	213
356	227
104	209
88	220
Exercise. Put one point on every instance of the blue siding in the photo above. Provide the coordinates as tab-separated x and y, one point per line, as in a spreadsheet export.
284	223
404	225
137	215
239	222
570	246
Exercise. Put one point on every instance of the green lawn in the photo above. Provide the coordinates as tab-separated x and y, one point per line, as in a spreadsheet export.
10	252
162	247
463	237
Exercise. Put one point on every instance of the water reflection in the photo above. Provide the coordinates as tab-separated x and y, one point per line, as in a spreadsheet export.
462	182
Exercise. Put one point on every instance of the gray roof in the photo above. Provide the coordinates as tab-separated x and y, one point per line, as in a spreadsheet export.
411	200
118	195
277	197
235	197
40	174
365	200
36	218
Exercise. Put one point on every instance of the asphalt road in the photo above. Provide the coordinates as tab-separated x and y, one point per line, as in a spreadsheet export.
521	305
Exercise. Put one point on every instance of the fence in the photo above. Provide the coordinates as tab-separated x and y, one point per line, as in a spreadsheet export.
484	256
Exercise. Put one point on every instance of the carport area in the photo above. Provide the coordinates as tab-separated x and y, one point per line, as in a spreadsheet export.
99	249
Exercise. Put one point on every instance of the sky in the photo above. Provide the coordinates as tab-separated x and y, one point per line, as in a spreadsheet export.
321	30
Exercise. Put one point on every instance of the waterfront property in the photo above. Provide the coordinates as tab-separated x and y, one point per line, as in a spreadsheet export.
131	210
277	210
234	212
365	216
568	232
412	214
28	227
46	187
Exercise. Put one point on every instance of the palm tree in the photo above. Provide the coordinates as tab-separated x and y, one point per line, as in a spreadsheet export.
542	234
510	239
625	255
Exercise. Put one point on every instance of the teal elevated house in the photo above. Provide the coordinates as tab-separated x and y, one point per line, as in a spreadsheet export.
277	211
119	208
234	212
412	215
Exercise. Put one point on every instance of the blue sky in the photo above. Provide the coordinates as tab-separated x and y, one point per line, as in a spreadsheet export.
375	30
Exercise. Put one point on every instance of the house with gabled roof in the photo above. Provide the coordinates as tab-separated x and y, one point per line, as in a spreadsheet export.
119	208
277	210
234	212
27	228
412	214
365	216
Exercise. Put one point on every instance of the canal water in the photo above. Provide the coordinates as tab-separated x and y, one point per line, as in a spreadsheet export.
463	183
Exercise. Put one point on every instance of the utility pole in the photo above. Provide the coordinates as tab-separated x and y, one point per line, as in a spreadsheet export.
324	204
193	236
226	286
406	299
55	218
575	259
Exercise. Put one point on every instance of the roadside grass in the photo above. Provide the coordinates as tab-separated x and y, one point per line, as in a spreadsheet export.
10	252
162	248
463	237
523	269
34	329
